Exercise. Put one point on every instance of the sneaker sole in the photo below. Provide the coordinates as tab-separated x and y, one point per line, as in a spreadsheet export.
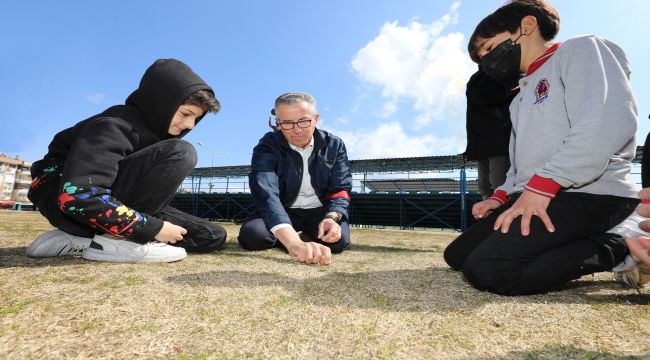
100	255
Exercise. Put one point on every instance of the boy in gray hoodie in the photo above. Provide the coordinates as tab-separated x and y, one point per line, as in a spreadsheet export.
573	140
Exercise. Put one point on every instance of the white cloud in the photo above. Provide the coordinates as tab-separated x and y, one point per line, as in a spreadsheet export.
420	66
389	140
389	108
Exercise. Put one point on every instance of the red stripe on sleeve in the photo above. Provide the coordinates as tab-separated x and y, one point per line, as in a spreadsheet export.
343	194
543	186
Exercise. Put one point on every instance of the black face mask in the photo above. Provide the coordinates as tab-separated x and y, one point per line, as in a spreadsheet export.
503	61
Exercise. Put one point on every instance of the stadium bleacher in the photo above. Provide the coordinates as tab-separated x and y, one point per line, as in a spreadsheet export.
426	202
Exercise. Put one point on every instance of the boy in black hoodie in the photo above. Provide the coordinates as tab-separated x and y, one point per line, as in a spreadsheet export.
106	182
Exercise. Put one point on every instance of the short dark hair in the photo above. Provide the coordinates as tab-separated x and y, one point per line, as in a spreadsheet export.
205	99
508	18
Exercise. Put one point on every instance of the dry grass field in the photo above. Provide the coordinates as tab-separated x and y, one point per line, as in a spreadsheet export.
390	296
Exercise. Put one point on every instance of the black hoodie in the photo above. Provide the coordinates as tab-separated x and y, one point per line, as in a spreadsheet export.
85	157
488	117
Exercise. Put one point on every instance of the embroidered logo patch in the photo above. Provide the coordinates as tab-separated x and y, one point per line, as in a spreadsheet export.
541	91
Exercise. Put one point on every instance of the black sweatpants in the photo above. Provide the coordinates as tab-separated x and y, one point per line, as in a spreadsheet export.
146	181
513	264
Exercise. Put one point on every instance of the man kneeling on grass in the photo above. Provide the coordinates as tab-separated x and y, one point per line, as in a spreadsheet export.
300	180
106	183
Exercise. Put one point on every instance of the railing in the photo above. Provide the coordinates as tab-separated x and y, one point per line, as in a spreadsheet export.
229	199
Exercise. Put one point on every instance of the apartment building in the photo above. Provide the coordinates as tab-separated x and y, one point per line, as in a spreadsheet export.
15	179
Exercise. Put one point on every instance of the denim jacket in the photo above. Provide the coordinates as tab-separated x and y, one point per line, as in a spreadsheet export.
276	175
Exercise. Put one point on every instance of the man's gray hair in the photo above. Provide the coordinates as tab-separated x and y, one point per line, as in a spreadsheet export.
295	98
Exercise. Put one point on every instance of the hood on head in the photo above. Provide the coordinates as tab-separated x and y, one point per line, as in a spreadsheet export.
163	88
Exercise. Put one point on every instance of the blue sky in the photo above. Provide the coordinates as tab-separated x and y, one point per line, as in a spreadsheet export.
389	76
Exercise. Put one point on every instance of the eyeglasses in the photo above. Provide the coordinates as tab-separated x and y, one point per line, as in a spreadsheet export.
288	125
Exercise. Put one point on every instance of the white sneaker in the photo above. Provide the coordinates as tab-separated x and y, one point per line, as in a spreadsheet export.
57	243
631	271
105	248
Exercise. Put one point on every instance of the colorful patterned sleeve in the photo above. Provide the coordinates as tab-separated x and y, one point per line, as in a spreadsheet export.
88	173
99	209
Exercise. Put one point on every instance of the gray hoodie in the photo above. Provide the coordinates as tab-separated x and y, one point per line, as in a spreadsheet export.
574	121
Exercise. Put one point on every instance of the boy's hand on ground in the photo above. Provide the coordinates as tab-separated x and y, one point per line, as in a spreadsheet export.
170	233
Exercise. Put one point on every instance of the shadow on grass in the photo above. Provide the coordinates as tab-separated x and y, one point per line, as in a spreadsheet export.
587	288
233	248
391	249
563	352
360	247
15	257
400	290
433	290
